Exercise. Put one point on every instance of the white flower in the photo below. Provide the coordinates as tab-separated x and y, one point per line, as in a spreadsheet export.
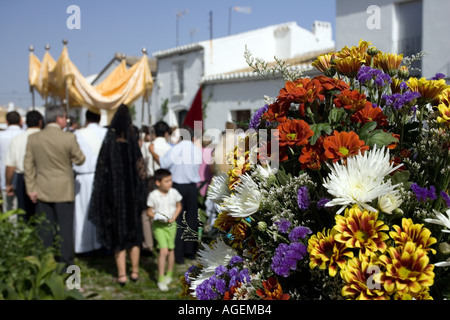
387	203
218	188
361	180
266	171
441	220
246	199
210	258
443	263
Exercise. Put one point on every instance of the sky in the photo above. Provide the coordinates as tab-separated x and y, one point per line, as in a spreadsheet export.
110	26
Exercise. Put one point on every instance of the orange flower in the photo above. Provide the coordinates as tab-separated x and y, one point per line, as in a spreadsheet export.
369	114
312	156
276	112
351	100
301	91
272	290
342	145
294	133
332	83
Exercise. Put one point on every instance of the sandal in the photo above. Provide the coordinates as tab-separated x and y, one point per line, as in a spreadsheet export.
136	278
122	283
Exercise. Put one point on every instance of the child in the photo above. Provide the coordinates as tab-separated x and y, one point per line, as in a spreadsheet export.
164	206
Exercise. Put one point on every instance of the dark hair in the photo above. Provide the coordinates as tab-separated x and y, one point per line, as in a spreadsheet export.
33	117
161	128
13	117
121	122
92	116
161	174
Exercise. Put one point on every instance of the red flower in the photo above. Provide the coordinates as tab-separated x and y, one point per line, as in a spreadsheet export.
272	290
351	100
276	112
369	114
332	83
312	155
294	133
342	145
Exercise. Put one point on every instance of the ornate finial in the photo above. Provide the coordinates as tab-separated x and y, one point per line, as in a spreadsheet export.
65	42
47	47
144	51
31	48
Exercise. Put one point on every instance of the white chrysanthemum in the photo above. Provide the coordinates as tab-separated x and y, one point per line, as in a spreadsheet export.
361	180
266	171
441	220
389	202
245	200
218	188
210	258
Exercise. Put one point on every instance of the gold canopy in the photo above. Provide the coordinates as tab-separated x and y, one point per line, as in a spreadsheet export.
62	78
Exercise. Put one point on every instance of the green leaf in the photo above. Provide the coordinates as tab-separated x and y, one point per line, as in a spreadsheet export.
366	130
282	177
379	138
336	115
317	129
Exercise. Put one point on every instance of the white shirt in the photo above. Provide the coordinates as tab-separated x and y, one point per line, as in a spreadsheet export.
17	148
161	147
183	160
5	138
90	140
164	204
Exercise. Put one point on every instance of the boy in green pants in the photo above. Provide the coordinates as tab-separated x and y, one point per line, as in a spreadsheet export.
164	206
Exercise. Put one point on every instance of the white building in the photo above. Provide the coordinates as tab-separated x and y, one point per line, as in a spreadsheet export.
399	26
231	91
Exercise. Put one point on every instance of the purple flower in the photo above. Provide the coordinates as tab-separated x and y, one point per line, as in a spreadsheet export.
298	232
188	272
422	194
322	202
366	74
234	260
303	198
398	100
446	198
205	290
286	257
255	121
220	270
283	225
438	76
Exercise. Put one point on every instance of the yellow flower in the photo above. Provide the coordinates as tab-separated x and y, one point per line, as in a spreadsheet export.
424	294
444	114
323	63
415	233
395	85
325	252
407	269
361	283
388	62
348	66
240	160
444	97
361	230
428	89
358	52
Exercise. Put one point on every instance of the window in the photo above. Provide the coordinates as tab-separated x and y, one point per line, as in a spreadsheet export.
178	78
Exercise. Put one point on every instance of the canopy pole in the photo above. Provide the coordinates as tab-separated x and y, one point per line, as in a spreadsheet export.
31	48
144	52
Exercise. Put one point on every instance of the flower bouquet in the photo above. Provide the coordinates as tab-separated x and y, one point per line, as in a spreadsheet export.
357	206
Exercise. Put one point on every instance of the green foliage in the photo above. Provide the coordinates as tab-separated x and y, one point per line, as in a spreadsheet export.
28	270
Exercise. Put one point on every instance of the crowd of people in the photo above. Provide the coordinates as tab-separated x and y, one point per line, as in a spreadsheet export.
116	188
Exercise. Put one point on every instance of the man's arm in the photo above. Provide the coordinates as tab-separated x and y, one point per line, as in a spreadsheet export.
9	174
30	174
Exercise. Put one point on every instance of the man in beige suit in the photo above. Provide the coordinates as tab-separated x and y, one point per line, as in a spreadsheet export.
49	178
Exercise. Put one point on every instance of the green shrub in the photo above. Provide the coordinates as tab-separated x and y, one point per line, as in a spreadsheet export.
28	270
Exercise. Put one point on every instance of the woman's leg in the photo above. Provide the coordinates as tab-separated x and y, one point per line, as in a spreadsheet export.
135	254
120	258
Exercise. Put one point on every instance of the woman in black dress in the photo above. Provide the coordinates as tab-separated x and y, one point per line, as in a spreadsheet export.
118	196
